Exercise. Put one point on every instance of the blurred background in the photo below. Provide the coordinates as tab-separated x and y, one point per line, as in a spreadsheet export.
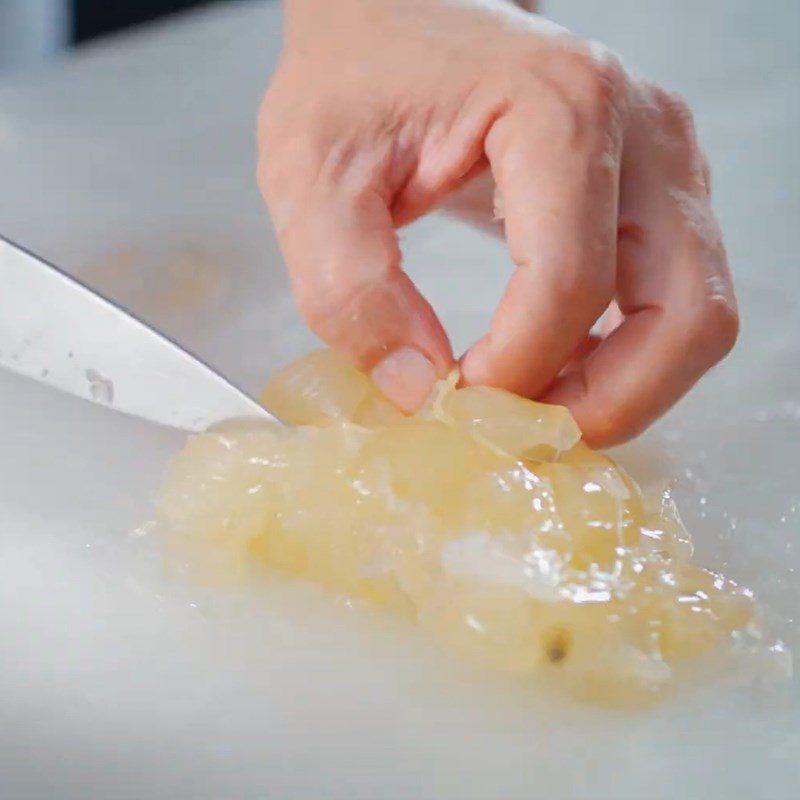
32	31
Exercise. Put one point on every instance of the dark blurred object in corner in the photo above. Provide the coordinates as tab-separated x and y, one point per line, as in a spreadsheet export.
91	18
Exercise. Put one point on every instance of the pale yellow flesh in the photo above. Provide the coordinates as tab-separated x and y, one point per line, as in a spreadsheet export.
483	518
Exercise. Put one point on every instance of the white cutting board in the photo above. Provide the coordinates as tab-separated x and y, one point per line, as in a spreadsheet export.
132	165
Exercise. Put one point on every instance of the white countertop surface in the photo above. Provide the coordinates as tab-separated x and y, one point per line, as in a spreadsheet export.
132	165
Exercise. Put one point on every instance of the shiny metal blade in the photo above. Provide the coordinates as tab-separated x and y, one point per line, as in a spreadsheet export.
61	333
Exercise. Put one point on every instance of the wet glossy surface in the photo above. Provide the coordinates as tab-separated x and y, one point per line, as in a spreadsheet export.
483	518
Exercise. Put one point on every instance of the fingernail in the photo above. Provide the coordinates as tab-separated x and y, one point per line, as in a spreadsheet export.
406	377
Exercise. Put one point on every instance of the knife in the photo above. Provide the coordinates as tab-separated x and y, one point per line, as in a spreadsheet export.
59	332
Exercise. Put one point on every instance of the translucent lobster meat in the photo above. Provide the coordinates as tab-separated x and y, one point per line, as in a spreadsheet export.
484	518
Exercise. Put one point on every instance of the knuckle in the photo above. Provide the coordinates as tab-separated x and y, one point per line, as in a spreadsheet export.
294	134
265	173
672	104
589	290
597	83
333	298
359	314
319	306
542	90
703	171
271	112
714	329
295	147
723	323
522	62
675	114
582	88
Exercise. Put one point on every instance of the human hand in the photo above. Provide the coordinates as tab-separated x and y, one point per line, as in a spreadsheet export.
382	110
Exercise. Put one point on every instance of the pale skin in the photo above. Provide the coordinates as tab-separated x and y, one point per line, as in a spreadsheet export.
383	110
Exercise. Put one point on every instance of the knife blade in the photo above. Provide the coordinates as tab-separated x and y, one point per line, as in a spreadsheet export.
59	332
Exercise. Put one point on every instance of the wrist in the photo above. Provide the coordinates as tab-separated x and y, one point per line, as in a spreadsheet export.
338	17
316	5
